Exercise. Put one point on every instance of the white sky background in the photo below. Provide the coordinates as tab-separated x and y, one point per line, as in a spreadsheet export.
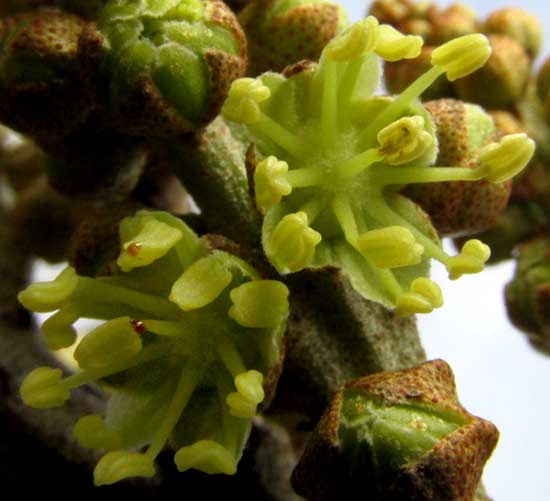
499	377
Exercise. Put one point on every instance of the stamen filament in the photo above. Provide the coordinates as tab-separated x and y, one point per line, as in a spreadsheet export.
165	328
346	218
359	163
347	86
385	175
303	178
329	110
230	357
189	378
400	104
100	291
313	208
388	217
281	136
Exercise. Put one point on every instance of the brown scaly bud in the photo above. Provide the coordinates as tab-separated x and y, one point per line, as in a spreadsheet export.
518	25
399	75
502	80
42	91
460	208
394	436
166	66
454	21
528	294
283	32
391	11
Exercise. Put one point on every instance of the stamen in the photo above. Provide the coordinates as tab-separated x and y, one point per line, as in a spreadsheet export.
344	214
250	385
240	406
271	182
359	163
472	259
503	160
200	284
356	41
385	176
390	247
230	357
189	378
404	140
329	109
260	304
302	178
393	46
90	432
118	465
243	100
281	136
58	329
207	456
42	388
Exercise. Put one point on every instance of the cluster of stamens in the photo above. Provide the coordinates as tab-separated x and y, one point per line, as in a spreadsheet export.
189	335
335	158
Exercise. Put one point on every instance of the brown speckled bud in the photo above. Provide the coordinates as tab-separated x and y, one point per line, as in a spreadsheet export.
395	436
517	24
506	122
282	32
461	208
528	294
391	11
399	75
42	91
166	66
503	78
454	21
543	80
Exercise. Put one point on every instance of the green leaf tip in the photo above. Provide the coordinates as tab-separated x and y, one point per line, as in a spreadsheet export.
189	335
332	159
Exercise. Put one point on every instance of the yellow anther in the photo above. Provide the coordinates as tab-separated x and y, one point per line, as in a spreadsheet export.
240	406
359	39
292	244
404	140
49	296
242	103
250	385
476	248
41	388
58	333
109	344
144	239
503	160
270	182
259	304
411	303
462	56
200	284
472	259
392	45
429	290
118	465
91	432
390	247
207	456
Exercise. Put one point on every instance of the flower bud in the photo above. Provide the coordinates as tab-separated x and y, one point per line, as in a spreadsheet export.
118	465
455	207
462	56
292	244
396	435
283	32
167	65
42	90
41	389
528	294
455	21
502	80
516	24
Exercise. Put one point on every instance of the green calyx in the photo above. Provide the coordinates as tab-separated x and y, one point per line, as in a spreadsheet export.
335	158
188	338
184	53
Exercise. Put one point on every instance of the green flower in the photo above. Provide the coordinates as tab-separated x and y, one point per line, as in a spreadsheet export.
333	159
190	336
167	63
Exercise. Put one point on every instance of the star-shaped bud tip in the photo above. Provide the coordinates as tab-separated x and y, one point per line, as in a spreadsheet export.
390	247
90	432
43	297
207	456
118	465
393	46
404	140
359	39
259	304
271	183
503	160
42	388
293	243
462	56
109	344
472	259
243	100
